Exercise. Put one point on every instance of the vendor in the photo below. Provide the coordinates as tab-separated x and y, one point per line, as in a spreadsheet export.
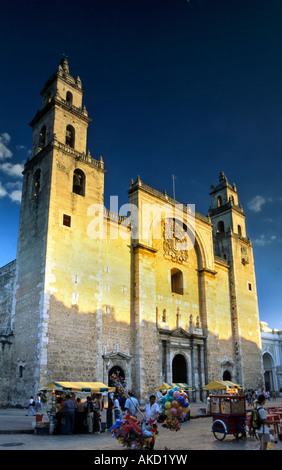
152	410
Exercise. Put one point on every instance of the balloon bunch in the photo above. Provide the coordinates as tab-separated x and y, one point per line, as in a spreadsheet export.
175	406
132	433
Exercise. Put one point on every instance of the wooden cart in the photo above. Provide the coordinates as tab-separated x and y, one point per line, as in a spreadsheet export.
229	415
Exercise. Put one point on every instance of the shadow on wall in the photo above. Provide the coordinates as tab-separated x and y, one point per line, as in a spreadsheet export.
83	346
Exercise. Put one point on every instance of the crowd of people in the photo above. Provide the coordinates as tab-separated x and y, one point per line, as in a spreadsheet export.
252	395
76	415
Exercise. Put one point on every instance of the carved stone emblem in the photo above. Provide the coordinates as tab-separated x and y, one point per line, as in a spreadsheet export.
175	242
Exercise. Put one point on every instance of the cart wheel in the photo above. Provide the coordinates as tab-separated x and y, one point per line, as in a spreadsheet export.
219	429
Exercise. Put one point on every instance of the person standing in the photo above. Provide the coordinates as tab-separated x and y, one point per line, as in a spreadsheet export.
263	431
117	408
89	413
69	407
30	406
131	405
97	408
152	411
110	411
38	403
79	416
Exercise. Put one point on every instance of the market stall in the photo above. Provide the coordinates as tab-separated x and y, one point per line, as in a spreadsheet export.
226	385
59	389
168	386
90	387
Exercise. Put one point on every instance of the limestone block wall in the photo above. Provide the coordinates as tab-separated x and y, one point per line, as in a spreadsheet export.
247	316
26	317
87	286
219	326
7	280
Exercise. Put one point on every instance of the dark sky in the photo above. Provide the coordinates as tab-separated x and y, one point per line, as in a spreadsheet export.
174	88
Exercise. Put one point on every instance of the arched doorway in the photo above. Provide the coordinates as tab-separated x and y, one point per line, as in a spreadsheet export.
179	369
226	375
268	365
116	370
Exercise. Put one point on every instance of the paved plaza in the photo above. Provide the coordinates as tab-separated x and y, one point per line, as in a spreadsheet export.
16	433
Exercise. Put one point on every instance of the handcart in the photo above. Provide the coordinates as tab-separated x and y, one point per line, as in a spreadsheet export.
229	415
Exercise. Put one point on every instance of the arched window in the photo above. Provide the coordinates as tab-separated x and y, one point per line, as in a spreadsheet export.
220	227
219	201
70	136
78	182
239	231
36	183
176	281
69	97
42	138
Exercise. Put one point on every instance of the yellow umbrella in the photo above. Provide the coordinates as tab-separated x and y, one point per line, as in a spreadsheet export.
169	386
221	385
94	387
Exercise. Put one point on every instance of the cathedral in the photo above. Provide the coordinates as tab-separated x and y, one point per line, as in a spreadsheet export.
158	292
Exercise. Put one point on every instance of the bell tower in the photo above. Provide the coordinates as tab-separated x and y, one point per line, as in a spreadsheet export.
231	243
60	182
61	114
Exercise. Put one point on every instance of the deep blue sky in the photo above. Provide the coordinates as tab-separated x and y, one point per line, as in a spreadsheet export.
173	87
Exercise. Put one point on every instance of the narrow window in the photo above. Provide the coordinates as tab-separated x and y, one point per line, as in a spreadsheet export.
70	136
78	182
69	97
36	183
239	231
164	316
67	220
21	371
219	201
176	281
42	138
250	286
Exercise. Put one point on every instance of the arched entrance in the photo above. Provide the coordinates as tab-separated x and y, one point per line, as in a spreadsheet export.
179	369
116	370
226	375
268	365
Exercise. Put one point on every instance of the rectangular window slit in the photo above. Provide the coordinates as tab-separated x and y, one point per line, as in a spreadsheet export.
67	220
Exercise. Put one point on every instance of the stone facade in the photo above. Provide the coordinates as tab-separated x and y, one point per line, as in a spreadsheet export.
166	294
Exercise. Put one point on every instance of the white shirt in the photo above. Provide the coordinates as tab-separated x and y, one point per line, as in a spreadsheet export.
116	404
264	429
152	411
